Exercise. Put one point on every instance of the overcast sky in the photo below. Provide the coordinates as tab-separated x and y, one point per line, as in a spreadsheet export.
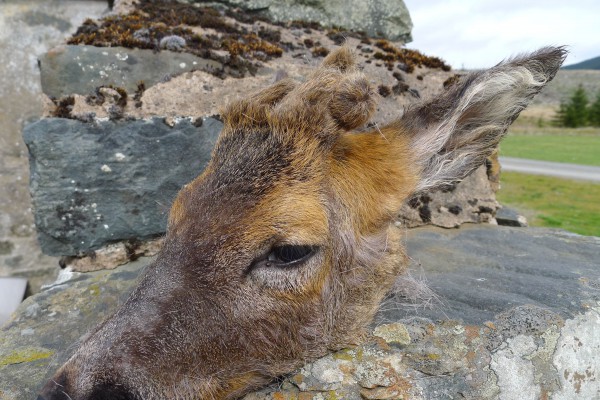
480	33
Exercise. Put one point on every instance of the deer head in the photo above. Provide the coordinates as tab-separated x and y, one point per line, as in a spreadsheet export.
283	248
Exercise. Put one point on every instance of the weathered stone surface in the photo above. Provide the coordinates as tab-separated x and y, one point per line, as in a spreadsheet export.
472	200
97	183
67	70
76	302
93	184
481	271
378	18
27	30
113	255
510	217
518	318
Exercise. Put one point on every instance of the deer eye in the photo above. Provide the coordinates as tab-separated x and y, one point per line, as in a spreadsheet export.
289	255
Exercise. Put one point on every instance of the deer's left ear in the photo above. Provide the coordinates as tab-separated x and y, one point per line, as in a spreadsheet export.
353	101
252	111
454	133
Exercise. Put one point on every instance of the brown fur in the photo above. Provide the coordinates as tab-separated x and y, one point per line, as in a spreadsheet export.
218	313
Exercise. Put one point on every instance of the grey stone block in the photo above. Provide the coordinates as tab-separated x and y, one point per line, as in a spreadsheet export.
67	70
96	183
510	217
479	271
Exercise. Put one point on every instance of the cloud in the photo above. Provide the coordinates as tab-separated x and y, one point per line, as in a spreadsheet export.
479	34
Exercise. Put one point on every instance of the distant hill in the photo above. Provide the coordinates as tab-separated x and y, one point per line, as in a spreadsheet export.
565	82
592	63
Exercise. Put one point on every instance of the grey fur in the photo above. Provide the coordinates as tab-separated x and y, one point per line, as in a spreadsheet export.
454	133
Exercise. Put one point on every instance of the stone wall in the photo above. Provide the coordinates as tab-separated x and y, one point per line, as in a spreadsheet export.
126	127
27	30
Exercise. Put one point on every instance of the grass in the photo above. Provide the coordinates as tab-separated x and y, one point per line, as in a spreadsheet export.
553	147
533	137
547	201
552	202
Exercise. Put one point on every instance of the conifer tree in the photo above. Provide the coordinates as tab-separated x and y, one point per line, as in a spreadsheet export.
574	112
594	111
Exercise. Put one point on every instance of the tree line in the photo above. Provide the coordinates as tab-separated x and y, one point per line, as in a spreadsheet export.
578	111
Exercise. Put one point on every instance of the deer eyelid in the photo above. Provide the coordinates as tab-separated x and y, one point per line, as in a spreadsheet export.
285	256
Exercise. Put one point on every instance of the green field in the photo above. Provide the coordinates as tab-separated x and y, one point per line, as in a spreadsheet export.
553	202
575	149
548	201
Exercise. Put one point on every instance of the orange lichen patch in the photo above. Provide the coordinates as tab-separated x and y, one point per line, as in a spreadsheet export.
410	58
250	43
381	343
284	396
471	356
64	106
472	332
320	51
452	80
167	25
400	390
490	325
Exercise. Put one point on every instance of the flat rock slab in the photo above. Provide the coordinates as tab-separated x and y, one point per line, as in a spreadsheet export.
480	271
541	319
41	335
96	183
68	69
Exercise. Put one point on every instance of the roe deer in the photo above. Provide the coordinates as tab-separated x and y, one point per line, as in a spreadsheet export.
284	247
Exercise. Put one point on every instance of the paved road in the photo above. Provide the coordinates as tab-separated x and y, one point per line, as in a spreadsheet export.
559	170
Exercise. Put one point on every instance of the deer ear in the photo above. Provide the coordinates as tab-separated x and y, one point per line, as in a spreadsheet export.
253	110
352	100
336	87
454	133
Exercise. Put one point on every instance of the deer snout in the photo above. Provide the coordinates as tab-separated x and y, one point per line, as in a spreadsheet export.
59	388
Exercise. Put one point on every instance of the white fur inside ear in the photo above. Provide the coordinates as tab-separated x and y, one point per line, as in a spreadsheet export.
454	145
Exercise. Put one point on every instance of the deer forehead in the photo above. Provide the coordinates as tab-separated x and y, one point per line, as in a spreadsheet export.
261	186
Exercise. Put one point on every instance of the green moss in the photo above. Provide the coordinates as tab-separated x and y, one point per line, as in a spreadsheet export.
343	355
24	356
94	289
331	395
359	354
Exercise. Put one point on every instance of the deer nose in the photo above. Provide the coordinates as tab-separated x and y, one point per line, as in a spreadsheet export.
54	389
52	396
